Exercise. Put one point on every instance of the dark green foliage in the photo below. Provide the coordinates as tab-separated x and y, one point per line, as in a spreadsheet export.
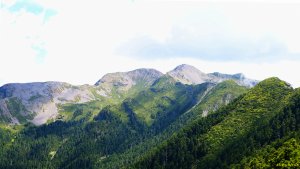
214	96
182	149
74	144
232	133
120	134
5	139
282	153
273	138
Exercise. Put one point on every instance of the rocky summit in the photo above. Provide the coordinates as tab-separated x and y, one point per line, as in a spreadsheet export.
188	74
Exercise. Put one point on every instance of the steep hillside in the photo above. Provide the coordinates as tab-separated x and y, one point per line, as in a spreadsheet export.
215	96
222	138
278	141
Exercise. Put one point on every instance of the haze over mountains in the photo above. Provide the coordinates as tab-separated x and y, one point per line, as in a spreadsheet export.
39	102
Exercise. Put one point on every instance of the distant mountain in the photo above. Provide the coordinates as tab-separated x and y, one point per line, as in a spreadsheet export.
146	119
239	78
131	78
43	101
110	133
188	74
120	83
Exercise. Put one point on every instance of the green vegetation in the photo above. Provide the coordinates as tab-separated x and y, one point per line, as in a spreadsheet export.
226	136
220	95
76	112
280	154
130	156
167	125
115	97
18	110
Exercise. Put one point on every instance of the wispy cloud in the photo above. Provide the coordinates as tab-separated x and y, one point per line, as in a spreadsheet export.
212	48
23	22
48	14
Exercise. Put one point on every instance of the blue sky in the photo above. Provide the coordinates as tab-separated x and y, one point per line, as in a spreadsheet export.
27	5
53	40
30	6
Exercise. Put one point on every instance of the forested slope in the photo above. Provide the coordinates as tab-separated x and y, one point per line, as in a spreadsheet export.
267	113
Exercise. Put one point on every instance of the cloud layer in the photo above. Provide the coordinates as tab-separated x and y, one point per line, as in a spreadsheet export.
214	48
44	40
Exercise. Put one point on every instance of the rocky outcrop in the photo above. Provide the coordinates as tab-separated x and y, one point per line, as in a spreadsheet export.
40	100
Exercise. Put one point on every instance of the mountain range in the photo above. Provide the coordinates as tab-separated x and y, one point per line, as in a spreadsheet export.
40	102
146	119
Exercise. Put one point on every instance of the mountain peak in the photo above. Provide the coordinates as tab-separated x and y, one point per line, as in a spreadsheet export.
188	74
143	72
185	67
129	79
274	82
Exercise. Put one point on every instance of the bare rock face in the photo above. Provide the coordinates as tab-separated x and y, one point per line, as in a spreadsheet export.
38	102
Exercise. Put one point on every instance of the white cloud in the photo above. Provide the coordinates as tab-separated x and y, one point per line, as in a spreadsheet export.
81	39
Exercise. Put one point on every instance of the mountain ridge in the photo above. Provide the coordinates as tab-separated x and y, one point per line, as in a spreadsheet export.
38	102
225	137
168	125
